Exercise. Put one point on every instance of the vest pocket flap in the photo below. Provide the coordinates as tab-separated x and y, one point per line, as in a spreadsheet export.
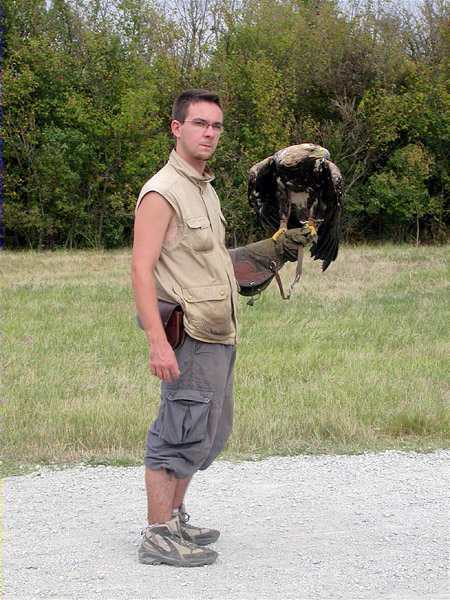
203	293
189	396
197	222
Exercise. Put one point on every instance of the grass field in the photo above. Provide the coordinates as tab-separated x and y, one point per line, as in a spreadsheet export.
357	360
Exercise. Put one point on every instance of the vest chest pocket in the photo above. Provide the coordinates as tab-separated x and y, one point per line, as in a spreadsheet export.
199	234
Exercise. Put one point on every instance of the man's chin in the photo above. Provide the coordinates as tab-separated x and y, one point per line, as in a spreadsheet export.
205	153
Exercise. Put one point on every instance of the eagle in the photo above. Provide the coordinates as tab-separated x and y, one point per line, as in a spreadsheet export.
300	187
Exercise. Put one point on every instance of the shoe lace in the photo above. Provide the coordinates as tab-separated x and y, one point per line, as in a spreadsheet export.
184	541
184	517
178	537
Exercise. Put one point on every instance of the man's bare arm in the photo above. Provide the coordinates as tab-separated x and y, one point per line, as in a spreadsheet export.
153	218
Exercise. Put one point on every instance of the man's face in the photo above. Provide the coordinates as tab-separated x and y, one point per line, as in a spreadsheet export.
195	141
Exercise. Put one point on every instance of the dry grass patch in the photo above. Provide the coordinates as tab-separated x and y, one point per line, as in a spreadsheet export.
360	269
82	267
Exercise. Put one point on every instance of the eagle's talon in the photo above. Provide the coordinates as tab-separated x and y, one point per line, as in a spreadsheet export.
312	229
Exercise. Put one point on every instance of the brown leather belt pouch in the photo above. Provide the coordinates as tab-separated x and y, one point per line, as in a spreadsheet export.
172	320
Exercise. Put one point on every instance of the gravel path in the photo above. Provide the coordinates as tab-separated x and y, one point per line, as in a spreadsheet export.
372	526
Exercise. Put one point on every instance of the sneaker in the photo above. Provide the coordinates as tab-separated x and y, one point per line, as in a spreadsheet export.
164	545
201	536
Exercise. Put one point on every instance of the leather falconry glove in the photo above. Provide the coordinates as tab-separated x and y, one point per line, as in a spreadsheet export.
255	265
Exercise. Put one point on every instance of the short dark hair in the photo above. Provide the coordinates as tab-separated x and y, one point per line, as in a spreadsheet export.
188	97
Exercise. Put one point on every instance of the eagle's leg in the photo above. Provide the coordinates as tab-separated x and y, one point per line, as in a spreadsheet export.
284	218
282	197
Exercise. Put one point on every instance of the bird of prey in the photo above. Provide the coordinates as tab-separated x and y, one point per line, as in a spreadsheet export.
295	187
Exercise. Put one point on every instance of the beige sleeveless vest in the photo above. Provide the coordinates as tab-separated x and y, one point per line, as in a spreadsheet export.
195	269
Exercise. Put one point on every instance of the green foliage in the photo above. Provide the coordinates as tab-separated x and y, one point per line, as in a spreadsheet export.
90	133
88	88
409	128
399	194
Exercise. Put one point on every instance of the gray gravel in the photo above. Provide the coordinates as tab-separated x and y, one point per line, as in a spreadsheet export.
354	527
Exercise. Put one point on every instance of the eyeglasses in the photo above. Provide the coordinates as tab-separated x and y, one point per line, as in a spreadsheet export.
203	124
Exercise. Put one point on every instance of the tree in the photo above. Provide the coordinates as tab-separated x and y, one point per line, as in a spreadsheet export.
399	194
88	88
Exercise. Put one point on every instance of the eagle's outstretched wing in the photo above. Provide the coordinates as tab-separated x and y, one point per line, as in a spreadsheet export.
296	185
262	191
330	210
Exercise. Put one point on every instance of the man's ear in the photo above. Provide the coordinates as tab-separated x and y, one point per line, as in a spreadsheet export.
175	128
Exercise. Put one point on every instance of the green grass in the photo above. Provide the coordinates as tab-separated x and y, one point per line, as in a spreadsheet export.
356	361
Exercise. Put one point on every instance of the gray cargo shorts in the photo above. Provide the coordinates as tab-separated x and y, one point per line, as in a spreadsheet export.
196	412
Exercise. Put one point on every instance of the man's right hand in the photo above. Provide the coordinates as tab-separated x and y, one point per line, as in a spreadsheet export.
163	362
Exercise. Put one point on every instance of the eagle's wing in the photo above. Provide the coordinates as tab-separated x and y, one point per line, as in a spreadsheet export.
262	193
327	211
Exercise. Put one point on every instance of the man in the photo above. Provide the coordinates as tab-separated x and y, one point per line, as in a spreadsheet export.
179	256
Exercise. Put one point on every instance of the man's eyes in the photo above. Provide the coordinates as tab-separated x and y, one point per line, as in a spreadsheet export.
204	124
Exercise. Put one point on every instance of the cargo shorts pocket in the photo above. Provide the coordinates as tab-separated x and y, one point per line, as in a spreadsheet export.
185	417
